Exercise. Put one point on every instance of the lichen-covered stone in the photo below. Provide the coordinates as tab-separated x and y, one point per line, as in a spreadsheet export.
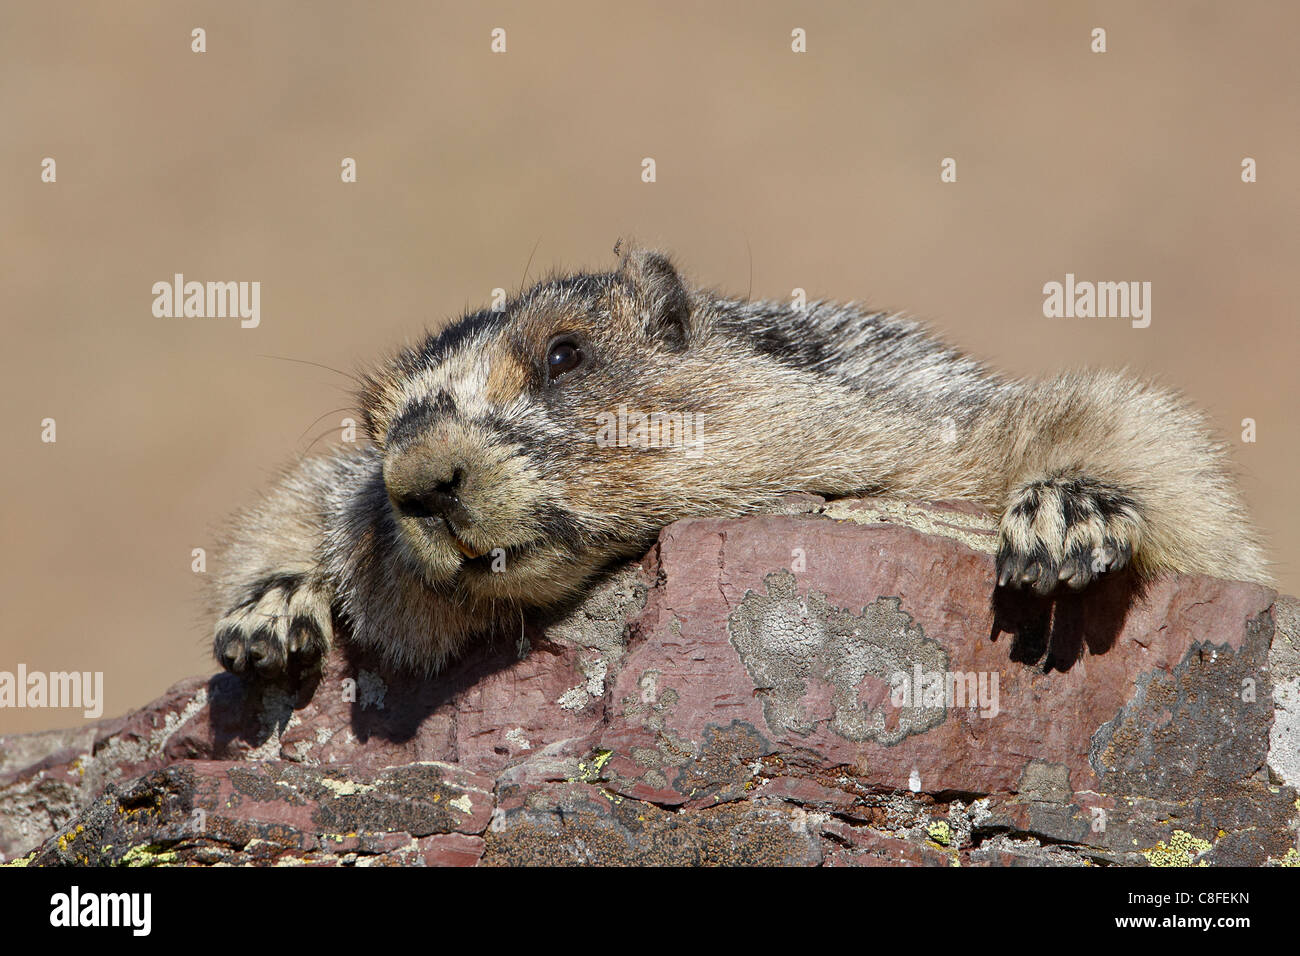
832	684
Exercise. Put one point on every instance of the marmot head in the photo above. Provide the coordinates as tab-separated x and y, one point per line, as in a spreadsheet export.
525	448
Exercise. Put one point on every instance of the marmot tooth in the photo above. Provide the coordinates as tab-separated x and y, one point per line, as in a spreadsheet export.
466	550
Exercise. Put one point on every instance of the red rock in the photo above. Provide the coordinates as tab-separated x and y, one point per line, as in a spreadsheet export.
729	700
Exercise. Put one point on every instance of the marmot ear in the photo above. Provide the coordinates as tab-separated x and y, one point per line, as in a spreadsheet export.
665	302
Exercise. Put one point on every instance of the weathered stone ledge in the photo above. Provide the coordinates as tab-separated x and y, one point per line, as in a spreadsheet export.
727	700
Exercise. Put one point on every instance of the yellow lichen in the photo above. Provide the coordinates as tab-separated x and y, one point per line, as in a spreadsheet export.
1182	850
940	832
345	788
463	803
149	854
591	773
67	838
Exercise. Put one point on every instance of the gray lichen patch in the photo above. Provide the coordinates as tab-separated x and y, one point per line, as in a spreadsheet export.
1284	662
600	623
599	627
800	649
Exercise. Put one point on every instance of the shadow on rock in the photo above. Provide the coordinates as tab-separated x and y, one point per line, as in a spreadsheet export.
1055	629
377	700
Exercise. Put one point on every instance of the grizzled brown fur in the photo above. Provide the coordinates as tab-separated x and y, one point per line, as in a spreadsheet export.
486	490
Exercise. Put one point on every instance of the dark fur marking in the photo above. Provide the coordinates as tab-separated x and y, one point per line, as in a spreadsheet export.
419	417
790	344
1076	508
557	525
439	345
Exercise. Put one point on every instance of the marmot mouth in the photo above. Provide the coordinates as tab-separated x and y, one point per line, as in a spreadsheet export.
484	561
483	557
460	544
474	557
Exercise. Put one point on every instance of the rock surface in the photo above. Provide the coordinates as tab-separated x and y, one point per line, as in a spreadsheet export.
832	685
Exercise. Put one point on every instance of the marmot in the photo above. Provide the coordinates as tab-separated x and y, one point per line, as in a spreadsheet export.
486	489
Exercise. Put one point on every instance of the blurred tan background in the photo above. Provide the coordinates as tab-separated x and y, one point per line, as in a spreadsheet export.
818	170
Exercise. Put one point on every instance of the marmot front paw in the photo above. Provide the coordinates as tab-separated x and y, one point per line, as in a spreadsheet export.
289	619
1065	531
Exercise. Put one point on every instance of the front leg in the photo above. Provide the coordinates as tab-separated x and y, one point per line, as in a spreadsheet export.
1105	471
273	595
1066	530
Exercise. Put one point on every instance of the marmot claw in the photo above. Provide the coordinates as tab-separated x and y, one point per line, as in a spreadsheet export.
290	620
1065	531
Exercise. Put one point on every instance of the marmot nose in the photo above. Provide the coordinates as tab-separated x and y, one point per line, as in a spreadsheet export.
430	495
441	501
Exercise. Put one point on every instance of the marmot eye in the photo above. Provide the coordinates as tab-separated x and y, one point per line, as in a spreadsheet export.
562	355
